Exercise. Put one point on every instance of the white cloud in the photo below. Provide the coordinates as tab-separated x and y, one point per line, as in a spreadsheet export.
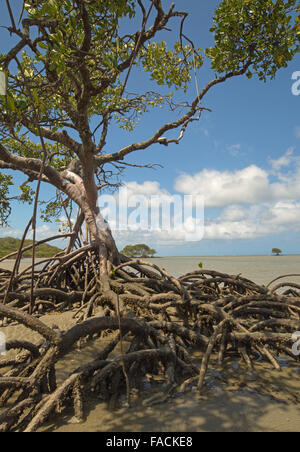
242	204
230	230
233	213
246	186
42	232
10	232
250	185
251	202
285	160
259	221
147	212
283	214
147	188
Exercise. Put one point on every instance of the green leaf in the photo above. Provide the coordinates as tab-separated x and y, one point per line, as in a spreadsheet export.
42	45
10	103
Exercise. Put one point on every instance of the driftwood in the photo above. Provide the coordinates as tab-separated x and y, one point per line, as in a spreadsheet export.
161	319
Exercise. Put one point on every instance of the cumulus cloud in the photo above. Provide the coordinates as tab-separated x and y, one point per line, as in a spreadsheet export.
10	232
147	188
283	214
227	229
250	185
222	188
44	231
233	213
242	204
258	221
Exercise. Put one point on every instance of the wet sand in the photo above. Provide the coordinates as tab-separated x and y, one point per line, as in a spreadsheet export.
267	401
235	401
25	263
270	403
242	411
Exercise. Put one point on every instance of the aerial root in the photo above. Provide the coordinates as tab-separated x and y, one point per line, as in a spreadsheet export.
161	320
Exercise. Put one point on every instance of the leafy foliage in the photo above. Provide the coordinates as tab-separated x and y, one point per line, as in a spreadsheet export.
5	209
68	77
140	250
168	67
260	33
26	196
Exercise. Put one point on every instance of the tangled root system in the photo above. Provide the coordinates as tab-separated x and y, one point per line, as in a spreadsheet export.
157	319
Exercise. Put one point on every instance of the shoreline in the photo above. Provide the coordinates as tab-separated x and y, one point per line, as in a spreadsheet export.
178	256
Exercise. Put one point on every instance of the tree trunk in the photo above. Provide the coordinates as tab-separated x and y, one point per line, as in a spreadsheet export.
98	228
102	235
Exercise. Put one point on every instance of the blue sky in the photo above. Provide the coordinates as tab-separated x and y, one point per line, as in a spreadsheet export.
244	157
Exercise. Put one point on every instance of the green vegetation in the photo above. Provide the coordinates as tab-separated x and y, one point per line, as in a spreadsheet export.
74	64
70	82
276	251
9	245
140	250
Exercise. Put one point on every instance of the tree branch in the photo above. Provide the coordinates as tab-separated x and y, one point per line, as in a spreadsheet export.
58	137
158	138
32	167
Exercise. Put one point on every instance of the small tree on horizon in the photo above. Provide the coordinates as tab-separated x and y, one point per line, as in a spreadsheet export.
139	250
276	251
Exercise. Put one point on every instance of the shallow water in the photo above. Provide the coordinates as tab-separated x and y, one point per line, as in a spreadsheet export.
260	269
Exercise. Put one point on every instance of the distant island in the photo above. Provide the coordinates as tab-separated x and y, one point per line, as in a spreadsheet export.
10	245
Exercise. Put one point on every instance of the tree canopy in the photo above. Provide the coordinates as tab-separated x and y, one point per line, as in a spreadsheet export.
67	80
276	251
139	250
67	75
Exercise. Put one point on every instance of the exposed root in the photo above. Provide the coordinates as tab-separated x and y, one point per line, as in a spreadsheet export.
161	319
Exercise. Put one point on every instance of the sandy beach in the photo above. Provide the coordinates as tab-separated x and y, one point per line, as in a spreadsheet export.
235	401
241	411
269	402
